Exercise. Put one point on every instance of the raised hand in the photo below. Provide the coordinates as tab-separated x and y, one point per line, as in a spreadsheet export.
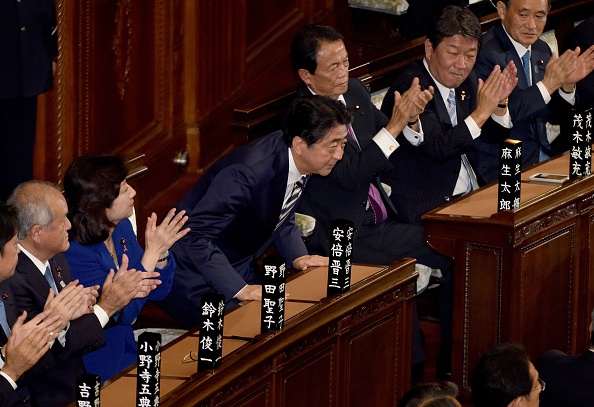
90	294
559	69
27	344
489	92
510	80
584	65
160	238
122	287
66	303
408	106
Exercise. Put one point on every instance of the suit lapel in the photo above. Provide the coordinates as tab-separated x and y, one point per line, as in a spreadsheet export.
512	55
537	62
440	110
33	275
56	270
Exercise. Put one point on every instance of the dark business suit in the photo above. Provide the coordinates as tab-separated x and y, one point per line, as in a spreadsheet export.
27	47
56	384
233	211
569	379
528	111
425	176
583	37
343	195
20	396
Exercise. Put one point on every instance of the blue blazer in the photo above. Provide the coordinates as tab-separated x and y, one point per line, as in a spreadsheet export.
233	211
91	264
528	111
425	176
52	381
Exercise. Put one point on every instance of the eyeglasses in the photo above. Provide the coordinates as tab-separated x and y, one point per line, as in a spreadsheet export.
190	357
541	386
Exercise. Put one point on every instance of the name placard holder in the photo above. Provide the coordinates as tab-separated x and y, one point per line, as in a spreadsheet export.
148	381
510	173
210	339
341	254
273	294
580	159
88	388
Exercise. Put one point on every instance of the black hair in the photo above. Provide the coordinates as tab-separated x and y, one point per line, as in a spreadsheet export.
91	184
9	224
307	43
501	376
454	20
312	117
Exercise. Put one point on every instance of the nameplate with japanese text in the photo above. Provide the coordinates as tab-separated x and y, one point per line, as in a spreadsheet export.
148	383
341	254
510	173
273	294
580	159
210	339
88	388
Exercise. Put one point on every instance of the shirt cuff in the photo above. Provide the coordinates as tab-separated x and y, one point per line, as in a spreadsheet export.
386	142
544	92
101	315
569	97
504	120
62	336
9	379
474	129
414	137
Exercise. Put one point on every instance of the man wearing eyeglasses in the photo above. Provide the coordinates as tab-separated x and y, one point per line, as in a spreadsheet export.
505	377
570	378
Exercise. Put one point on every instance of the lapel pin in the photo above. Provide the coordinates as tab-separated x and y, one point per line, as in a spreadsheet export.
123	242
463	95
4	296
58	271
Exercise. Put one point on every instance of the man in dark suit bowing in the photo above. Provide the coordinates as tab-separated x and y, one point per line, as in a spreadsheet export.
431	166
22	346
353	190
246	201
546	83
42	281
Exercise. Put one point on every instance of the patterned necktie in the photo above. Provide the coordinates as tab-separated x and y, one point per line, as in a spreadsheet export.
50	279
295	193
472	182
374	197
3	319
526	63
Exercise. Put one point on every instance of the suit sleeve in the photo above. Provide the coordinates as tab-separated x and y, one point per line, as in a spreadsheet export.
6	392
229	194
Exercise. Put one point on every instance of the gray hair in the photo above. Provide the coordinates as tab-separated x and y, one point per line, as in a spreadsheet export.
31	200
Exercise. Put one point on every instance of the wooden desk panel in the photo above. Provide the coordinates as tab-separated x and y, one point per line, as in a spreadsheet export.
523	275
347	350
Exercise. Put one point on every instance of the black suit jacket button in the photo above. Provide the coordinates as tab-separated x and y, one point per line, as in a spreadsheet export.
363	203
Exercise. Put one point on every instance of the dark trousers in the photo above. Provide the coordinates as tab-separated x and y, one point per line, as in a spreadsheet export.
17	139
392	240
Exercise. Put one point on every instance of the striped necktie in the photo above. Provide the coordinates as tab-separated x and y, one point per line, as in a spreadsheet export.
291	201
526	63
472	182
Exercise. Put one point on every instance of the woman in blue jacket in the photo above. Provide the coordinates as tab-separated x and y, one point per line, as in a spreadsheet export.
100	201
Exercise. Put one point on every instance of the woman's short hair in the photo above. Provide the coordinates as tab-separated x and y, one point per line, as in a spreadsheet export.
91	184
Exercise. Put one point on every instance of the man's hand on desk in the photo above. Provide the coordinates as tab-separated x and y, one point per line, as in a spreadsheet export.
304	262
250	293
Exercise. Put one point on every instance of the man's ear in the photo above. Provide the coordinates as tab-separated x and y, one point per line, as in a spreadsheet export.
35	233
518	401
501	9
428	49
304	75
297	145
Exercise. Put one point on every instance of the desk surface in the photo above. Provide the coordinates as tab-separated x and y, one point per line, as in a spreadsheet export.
306	290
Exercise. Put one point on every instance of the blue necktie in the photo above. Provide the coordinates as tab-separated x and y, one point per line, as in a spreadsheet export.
50	279
3	319
526	63
472	182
